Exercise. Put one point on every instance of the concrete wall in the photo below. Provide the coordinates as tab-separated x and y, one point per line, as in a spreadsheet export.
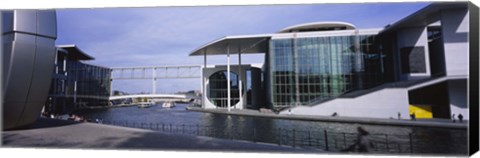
455	28
413	37
257	91
457	93
267	83
207	72
384	103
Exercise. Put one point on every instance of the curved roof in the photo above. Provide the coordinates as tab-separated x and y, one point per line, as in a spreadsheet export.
318	26
246	44
75	53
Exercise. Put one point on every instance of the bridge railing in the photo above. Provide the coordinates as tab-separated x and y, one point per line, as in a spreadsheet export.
156	72
323	140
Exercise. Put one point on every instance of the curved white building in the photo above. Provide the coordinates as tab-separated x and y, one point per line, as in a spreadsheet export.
318	26
415	65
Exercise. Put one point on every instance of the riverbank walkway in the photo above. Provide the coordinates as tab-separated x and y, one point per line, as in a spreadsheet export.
439	123
53	133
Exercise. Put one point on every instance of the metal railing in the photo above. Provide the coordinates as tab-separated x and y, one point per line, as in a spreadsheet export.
309	139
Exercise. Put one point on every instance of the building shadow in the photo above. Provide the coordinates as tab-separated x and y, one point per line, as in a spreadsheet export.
45	123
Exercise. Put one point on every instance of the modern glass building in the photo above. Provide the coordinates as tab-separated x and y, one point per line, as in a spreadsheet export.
76	84
321	68
311	63
313	69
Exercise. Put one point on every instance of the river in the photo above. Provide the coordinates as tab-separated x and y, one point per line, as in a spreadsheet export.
278	131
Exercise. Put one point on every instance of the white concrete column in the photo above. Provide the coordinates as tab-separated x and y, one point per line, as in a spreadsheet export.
228	78
75	94
204	89
297	70
56	63
111	82
154	80
240	101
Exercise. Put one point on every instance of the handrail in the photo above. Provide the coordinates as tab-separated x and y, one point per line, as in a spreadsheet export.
322	140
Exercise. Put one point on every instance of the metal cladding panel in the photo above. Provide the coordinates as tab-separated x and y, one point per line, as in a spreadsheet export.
25	21
43	66
18	82
6	56
7	21
11	113
29	114
28	65
47	23
20	71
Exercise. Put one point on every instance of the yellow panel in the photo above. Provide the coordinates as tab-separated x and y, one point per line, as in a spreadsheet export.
421	111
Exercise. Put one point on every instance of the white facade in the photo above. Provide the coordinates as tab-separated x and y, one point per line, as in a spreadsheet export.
207	72
455	37
414	37
386	103
423	52
409	33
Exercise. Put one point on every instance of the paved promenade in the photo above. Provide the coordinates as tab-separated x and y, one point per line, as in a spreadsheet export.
440	123
52	133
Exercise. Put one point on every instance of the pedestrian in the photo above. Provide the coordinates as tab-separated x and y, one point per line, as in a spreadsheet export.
399	116
363	143
453	118
334	114
460	118
77	118
71	117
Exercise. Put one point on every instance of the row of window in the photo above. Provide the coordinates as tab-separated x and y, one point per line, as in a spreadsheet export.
324	67
90	80
218	90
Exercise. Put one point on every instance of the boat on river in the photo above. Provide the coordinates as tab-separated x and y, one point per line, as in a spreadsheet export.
168	104
145	104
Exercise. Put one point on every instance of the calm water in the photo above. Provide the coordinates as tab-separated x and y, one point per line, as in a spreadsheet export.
425	140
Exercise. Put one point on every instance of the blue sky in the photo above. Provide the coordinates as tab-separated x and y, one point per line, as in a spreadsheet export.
157	36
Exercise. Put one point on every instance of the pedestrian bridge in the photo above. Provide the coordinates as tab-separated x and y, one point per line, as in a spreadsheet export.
159	96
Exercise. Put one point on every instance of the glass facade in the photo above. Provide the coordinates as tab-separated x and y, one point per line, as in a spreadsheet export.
371	57
307	70
76	84
217	93
91	80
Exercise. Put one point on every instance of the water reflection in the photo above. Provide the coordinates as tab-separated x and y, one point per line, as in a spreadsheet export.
425	140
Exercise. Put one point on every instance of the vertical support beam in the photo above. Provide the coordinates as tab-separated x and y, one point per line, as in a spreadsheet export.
297	70
204	89
228	78
75	94
358	61
56	63
65	64
121	73
154	80
240	99
111	82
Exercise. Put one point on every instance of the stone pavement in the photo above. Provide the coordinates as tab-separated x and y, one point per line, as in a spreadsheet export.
52	133
439	123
